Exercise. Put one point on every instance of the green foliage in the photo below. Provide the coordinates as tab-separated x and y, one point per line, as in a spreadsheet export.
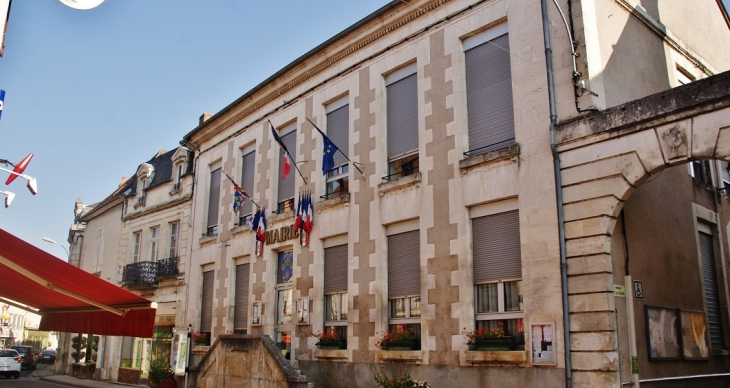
157	371
396	381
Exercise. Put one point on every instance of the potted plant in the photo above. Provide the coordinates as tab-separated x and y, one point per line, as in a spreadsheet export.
157	371
330	339
398	339
490	339
201	338
403	381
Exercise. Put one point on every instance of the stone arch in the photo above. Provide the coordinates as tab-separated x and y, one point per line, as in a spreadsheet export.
604	158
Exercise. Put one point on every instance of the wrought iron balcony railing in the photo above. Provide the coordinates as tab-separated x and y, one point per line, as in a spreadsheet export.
167	268
143	273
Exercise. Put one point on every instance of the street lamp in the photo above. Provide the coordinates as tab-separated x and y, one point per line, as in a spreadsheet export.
82	4
52	241
8	197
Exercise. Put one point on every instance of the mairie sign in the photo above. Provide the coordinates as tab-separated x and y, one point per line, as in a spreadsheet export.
282	234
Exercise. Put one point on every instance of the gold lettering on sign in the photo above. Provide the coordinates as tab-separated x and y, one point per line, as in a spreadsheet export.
282	234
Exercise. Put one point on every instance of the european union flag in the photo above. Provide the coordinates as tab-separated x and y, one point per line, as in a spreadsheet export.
328	155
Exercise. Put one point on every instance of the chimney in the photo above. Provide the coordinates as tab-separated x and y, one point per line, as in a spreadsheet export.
204	117
124	179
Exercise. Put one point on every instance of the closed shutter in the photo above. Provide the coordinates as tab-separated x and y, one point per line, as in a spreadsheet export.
496	247
206	304
712	296
489	96
335	269
402	108
215	196
338	130
286	186
404	264
240	313
247	176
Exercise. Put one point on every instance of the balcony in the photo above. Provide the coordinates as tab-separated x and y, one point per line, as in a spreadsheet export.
167	268
140	275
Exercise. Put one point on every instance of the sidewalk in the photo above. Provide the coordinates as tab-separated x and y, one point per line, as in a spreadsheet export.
48	375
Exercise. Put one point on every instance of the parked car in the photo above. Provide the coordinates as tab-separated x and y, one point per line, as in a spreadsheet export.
47	356
28	355
10	363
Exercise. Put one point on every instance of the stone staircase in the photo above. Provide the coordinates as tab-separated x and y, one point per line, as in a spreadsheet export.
240	360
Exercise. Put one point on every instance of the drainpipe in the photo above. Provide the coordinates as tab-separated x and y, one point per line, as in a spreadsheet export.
558	196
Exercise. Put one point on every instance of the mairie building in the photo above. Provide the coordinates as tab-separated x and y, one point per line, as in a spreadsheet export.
552	173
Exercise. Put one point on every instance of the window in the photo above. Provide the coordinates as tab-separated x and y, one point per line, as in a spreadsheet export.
709	280
137	247
247	178
178	177
206	303
404	281
284	308
701	170
99	252
283	286
174	239
214	200
725	173
154	242
286	186
402	122
498	272
335	289
240	312
683	76
338	130
490	113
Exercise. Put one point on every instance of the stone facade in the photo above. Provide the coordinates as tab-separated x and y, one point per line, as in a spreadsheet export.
613	140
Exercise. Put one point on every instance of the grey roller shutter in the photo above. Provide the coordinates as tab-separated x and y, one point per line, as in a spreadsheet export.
247	175
496	247
712	296
286	186
206	303
338	130
215	196
404	264
335	269
489	96
402	116
240	313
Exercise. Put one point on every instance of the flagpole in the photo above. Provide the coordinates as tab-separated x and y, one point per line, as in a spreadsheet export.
338	148
290	157
249	197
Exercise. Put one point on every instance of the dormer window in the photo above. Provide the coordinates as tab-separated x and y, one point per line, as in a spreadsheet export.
145	174
180	162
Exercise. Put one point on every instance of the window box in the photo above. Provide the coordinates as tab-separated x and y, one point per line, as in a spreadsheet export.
332	344
492	344
407	344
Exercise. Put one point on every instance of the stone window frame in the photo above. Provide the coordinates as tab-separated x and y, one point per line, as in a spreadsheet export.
707	221
492	208
136	246
397	161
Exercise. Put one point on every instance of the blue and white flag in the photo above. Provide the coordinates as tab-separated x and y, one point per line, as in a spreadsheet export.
2	101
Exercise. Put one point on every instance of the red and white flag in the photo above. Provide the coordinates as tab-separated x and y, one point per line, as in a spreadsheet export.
285	166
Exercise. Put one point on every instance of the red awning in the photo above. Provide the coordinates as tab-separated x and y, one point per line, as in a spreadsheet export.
68	298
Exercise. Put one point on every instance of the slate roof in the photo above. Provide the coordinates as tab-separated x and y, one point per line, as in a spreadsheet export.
162	164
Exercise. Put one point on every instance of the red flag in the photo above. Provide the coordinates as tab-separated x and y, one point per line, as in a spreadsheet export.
285	167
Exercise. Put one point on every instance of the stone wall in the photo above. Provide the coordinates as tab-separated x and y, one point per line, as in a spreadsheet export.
246	361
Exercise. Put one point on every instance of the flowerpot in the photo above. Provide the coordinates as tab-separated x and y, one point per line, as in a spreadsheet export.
500	343
408	344
203	342
332	344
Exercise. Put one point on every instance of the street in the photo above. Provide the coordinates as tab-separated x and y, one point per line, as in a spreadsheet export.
27	381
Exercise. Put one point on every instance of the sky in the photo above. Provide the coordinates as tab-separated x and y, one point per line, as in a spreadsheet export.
95	93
